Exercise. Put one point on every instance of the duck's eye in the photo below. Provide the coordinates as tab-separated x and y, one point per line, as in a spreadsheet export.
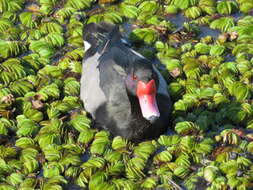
135	77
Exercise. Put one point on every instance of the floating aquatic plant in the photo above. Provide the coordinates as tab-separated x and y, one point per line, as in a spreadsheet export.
47	140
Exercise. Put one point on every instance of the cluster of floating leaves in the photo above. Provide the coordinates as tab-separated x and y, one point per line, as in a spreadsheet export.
48	143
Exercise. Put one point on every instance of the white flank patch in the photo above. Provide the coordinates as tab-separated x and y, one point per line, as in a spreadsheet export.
86	45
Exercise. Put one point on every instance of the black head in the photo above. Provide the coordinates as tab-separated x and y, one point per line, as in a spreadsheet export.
142	82
140	70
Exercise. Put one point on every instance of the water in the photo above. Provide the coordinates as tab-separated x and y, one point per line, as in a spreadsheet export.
206	31
178	20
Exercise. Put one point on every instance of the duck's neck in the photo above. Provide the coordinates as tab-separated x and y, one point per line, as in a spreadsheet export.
135	106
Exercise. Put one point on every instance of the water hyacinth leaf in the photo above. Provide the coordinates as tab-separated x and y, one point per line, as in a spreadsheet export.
80	122
11	48
186	127
148	7
31	166
149	183
169	140
85	136
28	154
147	35
181	171
96	179
55	39
71	87
116	168
52	152
192	12
163	156
27	19
26	127
226	7
210	173
184	4
101	141
49	91
34	115
78	5
50	171
119	143
28	184
15	179
230	137
223	24
217	50
171	9
245	6
24	142
145	149
134	168
240	91
96	162
112	17
51	27
202	48
45	139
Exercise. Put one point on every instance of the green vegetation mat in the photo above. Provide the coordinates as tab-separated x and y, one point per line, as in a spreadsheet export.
48	143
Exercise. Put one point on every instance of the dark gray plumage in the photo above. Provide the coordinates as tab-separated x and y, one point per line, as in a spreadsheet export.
109	86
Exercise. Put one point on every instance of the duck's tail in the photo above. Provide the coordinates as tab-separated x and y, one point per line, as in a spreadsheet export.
99	35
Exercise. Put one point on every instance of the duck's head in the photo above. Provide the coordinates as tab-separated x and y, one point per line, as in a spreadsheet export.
142	82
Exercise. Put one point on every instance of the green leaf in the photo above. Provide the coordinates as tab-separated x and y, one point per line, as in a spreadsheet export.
86	136
80	122
24	142
149	183
192	12
15	179
217	50
147	35
145	149
129	11
226	7
223	24
210	173
149	7
119	143
100	143
78	5
28	19
164	156
240	91
202	48
181	172
186	127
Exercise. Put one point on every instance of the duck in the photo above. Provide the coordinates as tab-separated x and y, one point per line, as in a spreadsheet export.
122	91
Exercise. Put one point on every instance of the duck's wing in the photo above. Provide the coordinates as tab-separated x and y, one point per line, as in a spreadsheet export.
102	66
90	93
